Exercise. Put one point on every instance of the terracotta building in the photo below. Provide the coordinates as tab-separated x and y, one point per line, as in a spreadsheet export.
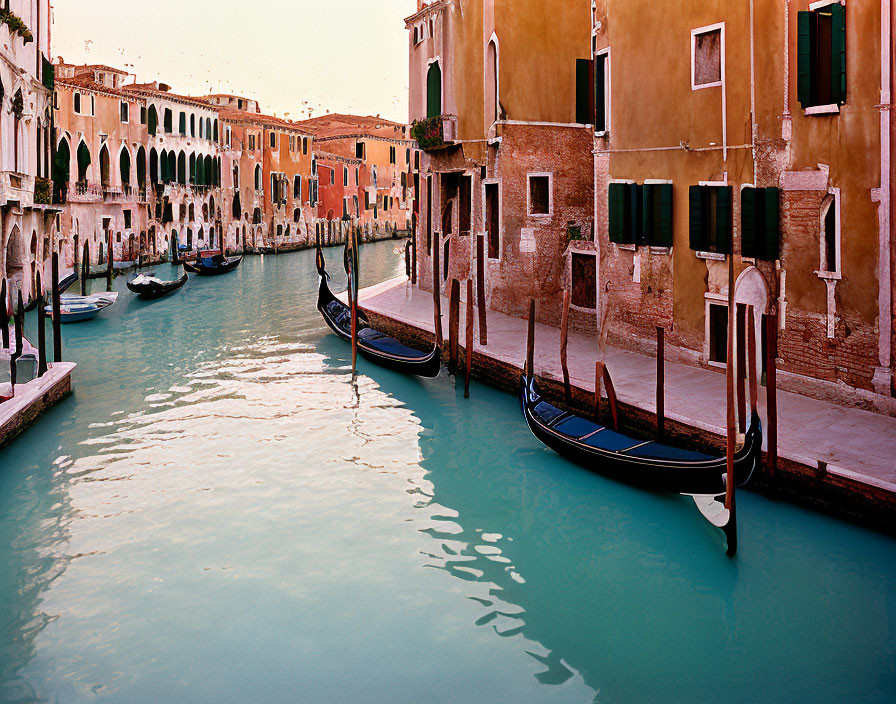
341	204
27	218
766	136
379	155
502	110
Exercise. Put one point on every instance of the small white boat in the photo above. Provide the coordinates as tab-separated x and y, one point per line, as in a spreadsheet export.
73	309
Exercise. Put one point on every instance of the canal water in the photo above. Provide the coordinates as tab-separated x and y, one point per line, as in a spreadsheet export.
219	514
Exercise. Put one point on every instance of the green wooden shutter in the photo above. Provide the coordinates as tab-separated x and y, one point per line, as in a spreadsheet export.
617	212
600	115
434	91
838	54
634	230
723	219
48	73
663	238
648	231
804	59
749	235
583	91
695	215
153	121
772	224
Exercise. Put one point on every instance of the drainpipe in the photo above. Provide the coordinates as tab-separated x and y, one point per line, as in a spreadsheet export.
883	380
753	126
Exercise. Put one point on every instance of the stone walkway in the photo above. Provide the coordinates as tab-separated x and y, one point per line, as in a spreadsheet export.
855	444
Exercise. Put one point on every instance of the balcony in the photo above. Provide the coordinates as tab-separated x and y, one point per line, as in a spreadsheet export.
435	133
85	192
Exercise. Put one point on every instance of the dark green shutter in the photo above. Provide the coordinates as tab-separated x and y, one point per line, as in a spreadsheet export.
648	231
583	91
617	212
153	121
633	227
183	123
838	54
434	91
48	73
695	215
663	238
723	219
772	224
749	234
804	59
600	116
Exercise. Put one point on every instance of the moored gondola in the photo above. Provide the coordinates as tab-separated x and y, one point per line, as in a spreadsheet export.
372	344
646	463
148	285
211	266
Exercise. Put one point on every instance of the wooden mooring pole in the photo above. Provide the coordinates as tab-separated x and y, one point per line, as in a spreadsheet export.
453	323
480	288
18	316
771	351
564	339
85	267
660	381
57	332
4	294
530	341
731	425
436	297
753	372
598	379
110	261
468	351
41	329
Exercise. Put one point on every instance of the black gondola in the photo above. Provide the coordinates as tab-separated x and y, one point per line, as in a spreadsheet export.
645	463
218	264
375	346
148	285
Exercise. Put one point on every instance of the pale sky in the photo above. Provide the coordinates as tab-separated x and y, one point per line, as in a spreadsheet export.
292	55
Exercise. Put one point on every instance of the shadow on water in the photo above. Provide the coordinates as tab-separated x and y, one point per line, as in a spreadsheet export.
631	589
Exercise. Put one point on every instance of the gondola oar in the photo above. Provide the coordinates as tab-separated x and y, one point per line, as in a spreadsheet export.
350	256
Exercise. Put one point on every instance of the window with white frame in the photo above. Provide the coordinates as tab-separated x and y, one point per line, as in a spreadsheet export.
540	194
344	175
602	91
124	111
707	56
829	241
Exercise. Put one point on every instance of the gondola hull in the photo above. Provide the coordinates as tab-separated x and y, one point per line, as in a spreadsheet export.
212	268
149	287
378	348
643	463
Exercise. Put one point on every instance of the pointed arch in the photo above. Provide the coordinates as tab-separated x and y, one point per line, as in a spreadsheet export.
83	161
258	183
209	174
152	120
62	160
141	167
193	168
172	166
153	166
124	166
492	94
434	90
181	168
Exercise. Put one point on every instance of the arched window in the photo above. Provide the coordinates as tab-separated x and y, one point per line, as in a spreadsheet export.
209	174
152	120
434	91
208	128
491	82
297	188
192	125
201	127
296	214
192	213
141	167
258	184
172	166
153	166
124	167
168	121
181	168
215	130
61	162
104	166
193	169
182	124
200	170
236	176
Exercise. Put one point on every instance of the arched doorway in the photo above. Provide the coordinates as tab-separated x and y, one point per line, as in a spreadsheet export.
83	163
750	289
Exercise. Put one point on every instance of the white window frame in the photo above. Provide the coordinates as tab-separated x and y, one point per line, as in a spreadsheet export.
608	92
706	30
718	256
831	200
345	176
127	106
625	181
493	181
712	299
541	216
494	38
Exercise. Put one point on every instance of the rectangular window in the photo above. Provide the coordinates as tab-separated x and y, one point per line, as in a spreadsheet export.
710	218
273	140
602	92
759	223
305	145
493	220
77	103
718	333
344	175
829	221
124	112
332	177
821	56
539	194
585	90
465	204
359	150
127	219
357	206
625	212
706	57
584	281
656	214
391	155
142	114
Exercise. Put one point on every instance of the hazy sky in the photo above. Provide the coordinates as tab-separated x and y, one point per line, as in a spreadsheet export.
292	55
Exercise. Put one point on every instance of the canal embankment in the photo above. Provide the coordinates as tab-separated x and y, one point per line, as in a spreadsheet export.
831	458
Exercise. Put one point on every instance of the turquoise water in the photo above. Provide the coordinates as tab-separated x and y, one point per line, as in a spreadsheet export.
218	514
